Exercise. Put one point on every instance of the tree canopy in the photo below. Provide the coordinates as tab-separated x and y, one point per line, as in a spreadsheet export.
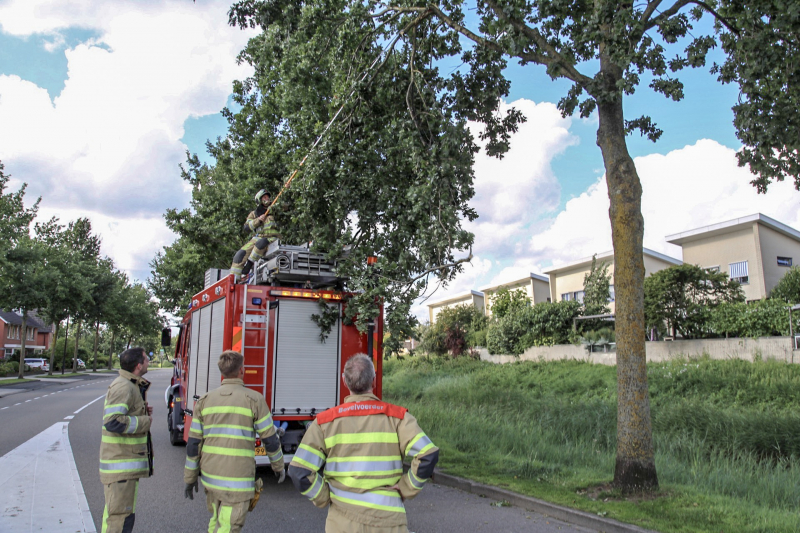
393	176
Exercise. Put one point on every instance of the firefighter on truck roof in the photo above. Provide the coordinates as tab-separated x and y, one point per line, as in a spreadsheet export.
125	451
264	231
361	444
221	447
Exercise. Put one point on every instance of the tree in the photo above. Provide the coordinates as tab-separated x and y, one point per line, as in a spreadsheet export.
596	289
505	301
104	279
682	297
788	287
395	172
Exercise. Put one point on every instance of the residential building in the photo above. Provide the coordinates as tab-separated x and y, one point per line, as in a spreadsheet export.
566	281
756	250
38	336
474	298
536	287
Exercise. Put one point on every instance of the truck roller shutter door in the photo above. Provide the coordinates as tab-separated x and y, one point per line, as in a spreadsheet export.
204	342
215	348
193	347
306	369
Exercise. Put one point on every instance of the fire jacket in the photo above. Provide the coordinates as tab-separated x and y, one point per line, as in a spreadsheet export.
361	444
123	444
221	446
267	229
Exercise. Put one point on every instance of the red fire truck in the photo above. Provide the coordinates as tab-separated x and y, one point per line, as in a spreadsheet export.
269	320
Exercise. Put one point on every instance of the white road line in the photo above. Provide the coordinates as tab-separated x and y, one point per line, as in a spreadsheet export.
70	417
39	480
26	401
4	408
18	403
88	404
37	397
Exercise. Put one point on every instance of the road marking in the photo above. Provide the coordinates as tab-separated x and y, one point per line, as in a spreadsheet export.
18	404
70	417
37	397
4	408
26	401
88	404
39	479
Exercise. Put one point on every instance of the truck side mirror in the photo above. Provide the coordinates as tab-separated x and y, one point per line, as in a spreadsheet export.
166	337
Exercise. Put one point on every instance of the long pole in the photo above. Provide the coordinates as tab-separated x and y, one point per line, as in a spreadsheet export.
64	353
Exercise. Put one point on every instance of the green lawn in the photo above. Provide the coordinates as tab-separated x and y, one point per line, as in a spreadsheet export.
727	436
11	381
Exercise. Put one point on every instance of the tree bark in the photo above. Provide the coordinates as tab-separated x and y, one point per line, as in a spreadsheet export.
53	350
64	352
96	338
75	352
111	352
635	466
23	334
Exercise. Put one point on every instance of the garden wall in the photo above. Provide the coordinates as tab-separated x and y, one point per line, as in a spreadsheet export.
779	348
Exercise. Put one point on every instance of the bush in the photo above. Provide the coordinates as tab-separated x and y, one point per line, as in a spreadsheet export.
453	332
506	301
14	366
762	318
543	324
6	369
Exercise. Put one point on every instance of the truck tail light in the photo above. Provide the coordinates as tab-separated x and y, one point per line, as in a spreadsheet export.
258	442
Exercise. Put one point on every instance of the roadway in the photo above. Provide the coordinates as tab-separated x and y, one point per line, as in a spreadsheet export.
162	506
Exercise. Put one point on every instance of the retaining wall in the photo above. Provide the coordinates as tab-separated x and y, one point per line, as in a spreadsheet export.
779	348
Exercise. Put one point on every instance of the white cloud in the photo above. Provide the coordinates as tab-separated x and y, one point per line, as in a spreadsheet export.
108	147
688	188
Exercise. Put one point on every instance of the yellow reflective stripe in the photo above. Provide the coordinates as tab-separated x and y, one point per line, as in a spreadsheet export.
365	483
312	450
227	410
219	450
426	448
224	518
124	440
231	426
316	484
361	438
413	442
299	460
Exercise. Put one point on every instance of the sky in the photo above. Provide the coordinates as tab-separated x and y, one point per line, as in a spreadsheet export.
99	102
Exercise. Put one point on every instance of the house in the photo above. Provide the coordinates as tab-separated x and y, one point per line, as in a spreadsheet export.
536	287
38	336
755	250
474	298
566	281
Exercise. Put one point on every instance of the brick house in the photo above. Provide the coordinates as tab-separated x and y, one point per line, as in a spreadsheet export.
38	335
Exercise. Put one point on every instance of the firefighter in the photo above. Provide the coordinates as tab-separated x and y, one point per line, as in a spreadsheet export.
125	449
362	443
221	447
264	231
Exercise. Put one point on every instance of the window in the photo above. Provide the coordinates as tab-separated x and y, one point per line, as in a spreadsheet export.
738	271
578	296
784	261
713	269
611	294
567	296
31	336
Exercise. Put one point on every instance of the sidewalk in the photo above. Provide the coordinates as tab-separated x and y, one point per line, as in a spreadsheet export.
57	505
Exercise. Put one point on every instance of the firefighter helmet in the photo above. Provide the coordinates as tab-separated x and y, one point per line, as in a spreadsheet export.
261	193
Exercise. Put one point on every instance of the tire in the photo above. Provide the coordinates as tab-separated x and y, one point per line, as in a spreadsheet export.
175	435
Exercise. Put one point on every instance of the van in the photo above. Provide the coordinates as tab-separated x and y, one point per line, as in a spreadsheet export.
40	364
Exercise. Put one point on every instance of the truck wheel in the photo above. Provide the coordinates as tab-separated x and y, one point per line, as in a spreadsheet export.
175	435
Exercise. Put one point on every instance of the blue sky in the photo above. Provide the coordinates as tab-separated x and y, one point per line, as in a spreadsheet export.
100	100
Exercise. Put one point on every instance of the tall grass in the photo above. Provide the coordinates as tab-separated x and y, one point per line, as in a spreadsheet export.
726	431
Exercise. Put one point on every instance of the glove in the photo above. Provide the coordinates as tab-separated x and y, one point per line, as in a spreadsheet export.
187	492
281	475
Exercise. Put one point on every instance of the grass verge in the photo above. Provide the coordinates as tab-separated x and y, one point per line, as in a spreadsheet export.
727	436
12	381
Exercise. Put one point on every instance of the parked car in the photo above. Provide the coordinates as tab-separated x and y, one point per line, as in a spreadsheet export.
35	363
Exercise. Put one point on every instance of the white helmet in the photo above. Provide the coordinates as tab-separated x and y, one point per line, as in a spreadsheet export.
261	193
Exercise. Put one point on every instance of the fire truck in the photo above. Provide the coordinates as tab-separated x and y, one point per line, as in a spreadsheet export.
269	320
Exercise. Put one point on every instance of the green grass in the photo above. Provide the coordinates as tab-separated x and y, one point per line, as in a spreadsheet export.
727	435
11	381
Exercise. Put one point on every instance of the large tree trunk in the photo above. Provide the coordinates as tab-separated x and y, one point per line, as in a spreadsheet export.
23	334
64	352
96	338
635	466
111	352
53	350
75	352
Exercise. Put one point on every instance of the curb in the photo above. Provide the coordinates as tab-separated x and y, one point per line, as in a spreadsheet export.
572	516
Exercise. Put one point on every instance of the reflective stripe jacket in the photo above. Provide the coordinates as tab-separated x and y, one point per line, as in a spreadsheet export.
123	444
268	228
221	446
361	445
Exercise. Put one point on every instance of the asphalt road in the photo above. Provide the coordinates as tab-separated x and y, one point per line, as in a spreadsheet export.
162	506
